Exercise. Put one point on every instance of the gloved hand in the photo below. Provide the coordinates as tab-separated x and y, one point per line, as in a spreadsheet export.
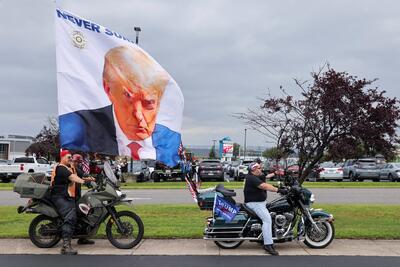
282	191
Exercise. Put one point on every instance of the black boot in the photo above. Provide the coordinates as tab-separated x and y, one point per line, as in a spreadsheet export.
271	250
67	248
85	241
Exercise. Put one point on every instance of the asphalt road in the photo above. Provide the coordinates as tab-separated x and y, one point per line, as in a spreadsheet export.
182	196
195	261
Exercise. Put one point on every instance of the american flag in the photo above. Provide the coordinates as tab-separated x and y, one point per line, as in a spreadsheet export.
181	152
191	189
85	165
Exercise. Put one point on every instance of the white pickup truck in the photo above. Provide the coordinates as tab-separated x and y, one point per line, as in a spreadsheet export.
24	165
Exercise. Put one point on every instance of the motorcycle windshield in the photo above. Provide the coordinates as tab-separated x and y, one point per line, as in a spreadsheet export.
109	172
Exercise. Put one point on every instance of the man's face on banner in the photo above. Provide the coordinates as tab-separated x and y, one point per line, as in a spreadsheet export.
134	84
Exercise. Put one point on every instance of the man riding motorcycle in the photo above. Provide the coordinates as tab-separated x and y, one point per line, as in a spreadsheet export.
63	182
255	197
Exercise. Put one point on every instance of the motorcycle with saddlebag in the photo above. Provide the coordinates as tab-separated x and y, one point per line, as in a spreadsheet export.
293	218
124	229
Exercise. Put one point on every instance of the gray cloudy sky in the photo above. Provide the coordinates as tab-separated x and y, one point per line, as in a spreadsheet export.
223	54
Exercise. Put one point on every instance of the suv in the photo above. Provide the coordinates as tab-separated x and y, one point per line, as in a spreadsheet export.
242	169
140	171
361	169
211	169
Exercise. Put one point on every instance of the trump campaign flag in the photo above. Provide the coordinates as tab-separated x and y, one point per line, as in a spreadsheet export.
113	97
224	208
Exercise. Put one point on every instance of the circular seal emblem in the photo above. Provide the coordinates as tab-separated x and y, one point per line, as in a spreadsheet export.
78	39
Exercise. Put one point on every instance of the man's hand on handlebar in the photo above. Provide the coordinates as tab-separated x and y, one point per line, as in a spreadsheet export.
282	191
89	179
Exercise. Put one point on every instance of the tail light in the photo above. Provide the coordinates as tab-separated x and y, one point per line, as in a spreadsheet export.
21	167
321	170
340	169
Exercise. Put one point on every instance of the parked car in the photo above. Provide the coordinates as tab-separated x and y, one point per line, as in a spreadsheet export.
211	169
163	172
242	169
330	171
24	165
390	171
362	169
140	171
347	167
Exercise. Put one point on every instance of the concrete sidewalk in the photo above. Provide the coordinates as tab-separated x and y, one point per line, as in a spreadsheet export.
343	247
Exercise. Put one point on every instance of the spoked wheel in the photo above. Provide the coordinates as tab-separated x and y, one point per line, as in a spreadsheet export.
130	233
43	231
319	239
228	244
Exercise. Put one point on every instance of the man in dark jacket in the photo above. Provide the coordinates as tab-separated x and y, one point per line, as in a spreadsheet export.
255	197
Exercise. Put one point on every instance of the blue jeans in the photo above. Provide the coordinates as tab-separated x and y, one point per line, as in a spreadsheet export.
262	212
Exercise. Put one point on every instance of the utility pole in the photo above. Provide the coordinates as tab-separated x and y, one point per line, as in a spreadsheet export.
215	153
245	140
137	30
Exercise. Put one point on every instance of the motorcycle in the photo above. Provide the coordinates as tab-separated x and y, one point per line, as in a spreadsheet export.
292	218
124	229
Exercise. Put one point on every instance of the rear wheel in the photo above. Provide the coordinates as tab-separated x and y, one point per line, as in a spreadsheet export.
228	244
43	231
131	232
319	239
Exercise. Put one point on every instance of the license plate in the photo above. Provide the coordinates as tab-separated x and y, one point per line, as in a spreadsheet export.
210	173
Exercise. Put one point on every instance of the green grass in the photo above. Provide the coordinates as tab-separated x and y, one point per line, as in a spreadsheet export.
187	221
238	185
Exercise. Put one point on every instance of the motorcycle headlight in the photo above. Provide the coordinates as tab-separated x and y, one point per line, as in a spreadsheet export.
312	198
119	193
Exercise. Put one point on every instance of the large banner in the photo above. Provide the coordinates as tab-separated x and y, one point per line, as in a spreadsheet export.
113	97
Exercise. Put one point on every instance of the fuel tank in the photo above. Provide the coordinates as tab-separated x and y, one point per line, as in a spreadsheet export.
279	205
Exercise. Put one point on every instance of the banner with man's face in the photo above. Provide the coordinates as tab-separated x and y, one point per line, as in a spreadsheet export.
113	97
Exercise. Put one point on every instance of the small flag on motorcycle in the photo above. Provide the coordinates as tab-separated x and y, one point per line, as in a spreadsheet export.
225	209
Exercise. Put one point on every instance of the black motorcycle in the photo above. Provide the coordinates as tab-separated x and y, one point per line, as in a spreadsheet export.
292	218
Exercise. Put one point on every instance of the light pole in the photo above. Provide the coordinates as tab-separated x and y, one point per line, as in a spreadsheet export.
245	140
214	147
137	30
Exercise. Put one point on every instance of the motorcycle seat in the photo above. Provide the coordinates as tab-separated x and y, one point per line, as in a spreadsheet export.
249	211
226	192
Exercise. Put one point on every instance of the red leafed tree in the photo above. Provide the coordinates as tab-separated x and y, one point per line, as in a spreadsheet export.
337	114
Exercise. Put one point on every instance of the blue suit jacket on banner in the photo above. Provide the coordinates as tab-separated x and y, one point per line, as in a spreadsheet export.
94	131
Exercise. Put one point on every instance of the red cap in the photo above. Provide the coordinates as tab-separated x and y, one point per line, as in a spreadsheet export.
64	152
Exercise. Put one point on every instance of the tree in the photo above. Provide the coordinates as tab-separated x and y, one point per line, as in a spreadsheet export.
211	154
47	142
236	150
274	153
336	113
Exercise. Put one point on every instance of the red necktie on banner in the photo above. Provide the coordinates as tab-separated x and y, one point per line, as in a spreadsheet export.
134	147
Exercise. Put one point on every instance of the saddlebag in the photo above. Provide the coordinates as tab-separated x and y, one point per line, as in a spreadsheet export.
32	185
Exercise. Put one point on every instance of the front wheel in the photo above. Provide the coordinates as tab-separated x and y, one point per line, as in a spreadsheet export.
317	239
43	231
228	244
129	232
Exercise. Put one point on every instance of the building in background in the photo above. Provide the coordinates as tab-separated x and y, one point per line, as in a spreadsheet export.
12	146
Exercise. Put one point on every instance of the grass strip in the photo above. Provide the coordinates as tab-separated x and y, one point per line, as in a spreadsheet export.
187	221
